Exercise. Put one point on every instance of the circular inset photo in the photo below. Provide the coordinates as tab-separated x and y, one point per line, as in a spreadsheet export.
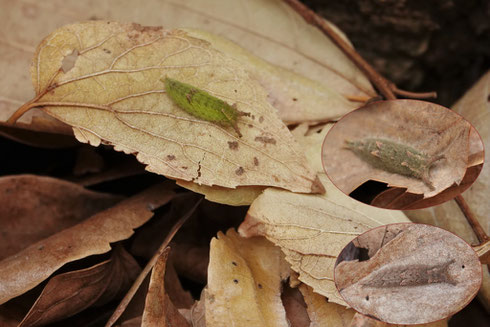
408	273
403	154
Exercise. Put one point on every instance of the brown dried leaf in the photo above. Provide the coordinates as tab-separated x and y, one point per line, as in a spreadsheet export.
159	310
312	229
42	133
69	293
363	321
132	112
408	274
52	203
323	313
426	127
295	307
244	282
29	267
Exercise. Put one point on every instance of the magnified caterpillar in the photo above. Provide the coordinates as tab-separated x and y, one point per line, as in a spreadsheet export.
395	158
203	105
409	275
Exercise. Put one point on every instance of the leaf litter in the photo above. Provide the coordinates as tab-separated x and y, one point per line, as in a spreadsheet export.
198	319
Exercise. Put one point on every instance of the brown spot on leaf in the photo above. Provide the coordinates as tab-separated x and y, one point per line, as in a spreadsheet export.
261	119
239	171
171	157
295	99
184	167
233	145
265	139
144	29
256	161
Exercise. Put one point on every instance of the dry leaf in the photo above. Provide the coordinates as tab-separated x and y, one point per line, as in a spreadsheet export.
297	98
159	310
409	270
27	268
239	196
198	312
295	307
53	203
132	112
69	293
244	282
323	313
312	229
423	126
363	321
277	34
41	133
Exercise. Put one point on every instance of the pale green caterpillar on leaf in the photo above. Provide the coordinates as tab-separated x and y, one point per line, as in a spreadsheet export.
395	158
202	105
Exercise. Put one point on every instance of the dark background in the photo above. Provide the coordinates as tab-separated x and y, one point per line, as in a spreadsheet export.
420	45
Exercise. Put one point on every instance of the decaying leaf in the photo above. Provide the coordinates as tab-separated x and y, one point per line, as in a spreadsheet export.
364	321
159	310
121	101
239	196
24	270
323	313
244	282
312	229
73	292
387	130
415	274
55	204
295	307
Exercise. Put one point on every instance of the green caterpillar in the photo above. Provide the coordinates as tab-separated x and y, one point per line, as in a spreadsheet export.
203	105
395	158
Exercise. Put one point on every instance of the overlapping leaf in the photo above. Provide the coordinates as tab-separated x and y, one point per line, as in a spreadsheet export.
29	267
114	94
312	229
244	282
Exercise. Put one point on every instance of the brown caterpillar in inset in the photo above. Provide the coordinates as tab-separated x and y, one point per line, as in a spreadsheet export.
395	158
409	275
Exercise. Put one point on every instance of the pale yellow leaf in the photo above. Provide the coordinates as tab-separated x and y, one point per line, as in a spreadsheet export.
270	29
114	95
297	98
244	282
312	229
240	196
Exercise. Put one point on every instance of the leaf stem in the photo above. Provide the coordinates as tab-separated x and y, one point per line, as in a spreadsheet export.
474	223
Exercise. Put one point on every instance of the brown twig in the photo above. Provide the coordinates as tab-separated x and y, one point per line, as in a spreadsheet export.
474	223
385	87
132	291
